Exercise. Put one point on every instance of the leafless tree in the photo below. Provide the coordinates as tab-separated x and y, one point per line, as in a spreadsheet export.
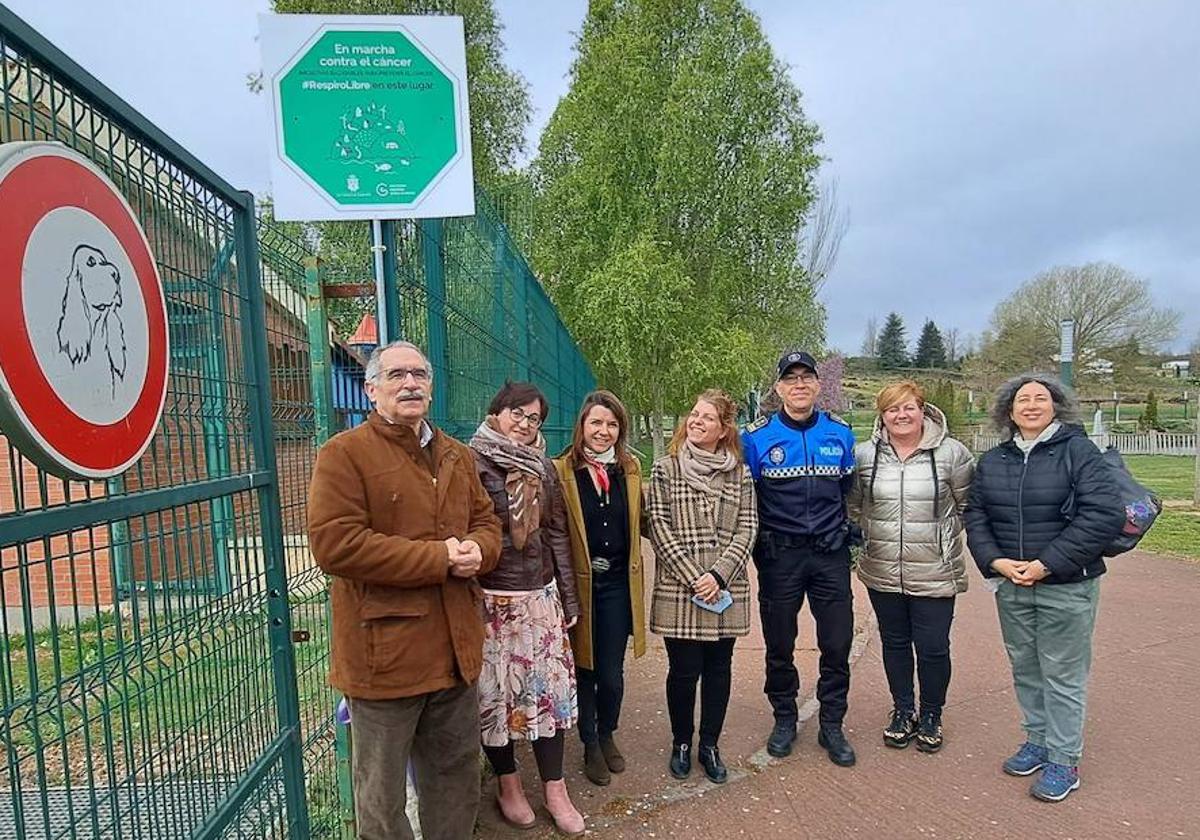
952	341
820	238
1110	305
870	343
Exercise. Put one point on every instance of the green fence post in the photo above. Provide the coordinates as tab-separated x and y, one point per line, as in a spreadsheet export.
521	309
321	373
433	258
499	320
319	358
215	412
279	620
391	294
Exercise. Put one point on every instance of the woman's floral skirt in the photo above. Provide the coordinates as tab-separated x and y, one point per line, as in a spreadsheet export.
527	686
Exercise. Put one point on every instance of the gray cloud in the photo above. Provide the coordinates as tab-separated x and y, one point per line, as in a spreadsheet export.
974	144
977	144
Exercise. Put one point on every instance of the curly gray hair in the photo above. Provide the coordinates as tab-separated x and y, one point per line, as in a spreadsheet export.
1066	407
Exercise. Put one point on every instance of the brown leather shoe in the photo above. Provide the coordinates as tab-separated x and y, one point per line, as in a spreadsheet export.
595	767
612	755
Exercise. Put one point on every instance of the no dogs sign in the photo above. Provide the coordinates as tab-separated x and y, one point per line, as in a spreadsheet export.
84	346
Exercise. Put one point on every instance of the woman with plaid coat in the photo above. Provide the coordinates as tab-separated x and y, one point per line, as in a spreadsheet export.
702	520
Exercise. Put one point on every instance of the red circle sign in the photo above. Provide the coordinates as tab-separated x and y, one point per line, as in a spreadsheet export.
84	355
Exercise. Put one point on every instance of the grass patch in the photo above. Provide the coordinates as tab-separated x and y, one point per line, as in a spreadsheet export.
1170	476
1175	532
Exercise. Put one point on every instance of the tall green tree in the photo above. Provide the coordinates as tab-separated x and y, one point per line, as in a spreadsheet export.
892	346
931	351
944	395
677	172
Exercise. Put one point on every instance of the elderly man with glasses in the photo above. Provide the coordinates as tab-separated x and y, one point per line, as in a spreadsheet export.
802	463
398	517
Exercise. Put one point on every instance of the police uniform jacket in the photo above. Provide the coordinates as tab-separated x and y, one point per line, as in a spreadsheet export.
802	473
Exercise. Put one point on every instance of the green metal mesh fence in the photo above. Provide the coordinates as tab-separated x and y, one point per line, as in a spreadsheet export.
468	296
465	293
146	675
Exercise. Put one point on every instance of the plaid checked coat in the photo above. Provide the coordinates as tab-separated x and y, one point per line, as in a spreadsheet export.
692	534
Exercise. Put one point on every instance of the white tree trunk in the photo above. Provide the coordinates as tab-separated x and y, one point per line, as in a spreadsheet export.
656	429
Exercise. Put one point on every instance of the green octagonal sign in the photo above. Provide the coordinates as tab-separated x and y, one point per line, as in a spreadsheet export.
370	116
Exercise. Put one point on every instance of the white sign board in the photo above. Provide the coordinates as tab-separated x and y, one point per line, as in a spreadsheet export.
370	116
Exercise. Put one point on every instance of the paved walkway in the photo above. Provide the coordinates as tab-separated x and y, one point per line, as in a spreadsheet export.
1141	774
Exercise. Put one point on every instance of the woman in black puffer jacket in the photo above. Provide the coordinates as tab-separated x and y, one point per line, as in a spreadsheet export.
1040	514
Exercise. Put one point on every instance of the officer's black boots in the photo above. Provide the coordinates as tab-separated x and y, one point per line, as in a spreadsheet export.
834	741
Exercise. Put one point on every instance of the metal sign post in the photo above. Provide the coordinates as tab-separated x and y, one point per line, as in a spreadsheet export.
1066	353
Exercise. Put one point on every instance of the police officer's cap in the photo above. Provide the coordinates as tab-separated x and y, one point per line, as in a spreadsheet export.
796	358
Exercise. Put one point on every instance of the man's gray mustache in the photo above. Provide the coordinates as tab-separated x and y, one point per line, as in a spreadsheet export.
409	395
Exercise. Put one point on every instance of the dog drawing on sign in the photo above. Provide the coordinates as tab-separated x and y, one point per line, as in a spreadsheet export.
91	316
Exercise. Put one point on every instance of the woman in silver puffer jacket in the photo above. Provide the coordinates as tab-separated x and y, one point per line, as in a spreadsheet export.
910	488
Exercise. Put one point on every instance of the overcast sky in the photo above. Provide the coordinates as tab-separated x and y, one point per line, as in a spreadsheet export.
974	144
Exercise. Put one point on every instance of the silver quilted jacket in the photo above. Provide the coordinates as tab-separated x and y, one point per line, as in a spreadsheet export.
912	525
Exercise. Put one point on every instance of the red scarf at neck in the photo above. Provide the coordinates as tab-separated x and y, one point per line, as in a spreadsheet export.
599	473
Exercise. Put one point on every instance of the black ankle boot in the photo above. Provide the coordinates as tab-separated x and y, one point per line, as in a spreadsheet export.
714	768
681	761
834	741
779	742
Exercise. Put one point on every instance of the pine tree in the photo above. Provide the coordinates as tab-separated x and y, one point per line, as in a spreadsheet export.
931	351
892	346
1148	422
944	395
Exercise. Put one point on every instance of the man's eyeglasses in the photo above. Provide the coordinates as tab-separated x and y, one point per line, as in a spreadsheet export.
793	378
419	374
518	415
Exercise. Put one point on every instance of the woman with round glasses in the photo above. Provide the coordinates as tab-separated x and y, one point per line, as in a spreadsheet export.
527	689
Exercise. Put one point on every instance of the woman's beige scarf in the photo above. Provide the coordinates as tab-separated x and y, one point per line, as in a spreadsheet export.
706	471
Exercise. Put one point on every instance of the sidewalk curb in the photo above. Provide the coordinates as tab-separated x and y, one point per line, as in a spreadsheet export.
758	762
761	760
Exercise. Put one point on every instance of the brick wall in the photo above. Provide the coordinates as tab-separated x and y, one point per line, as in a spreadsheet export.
76	567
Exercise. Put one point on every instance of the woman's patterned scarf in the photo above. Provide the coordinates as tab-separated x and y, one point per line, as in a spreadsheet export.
524	467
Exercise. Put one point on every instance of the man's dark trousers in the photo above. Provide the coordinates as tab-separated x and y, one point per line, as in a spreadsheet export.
790	568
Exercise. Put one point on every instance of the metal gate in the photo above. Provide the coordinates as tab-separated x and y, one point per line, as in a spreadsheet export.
147	672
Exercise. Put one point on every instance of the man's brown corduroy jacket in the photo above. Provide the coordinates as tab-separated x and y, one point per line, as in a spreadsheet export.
379	509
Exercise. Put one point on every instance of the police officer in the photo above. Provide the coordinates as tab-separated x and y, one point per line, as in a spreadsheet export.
802	461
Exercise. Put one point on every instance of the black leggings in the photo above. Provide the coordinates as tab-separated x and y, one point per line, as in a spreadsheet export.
712	664
548	752
907	622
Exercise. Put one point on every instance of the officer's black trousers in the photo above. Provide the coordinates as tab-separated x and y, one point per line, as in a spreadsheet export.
788	570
